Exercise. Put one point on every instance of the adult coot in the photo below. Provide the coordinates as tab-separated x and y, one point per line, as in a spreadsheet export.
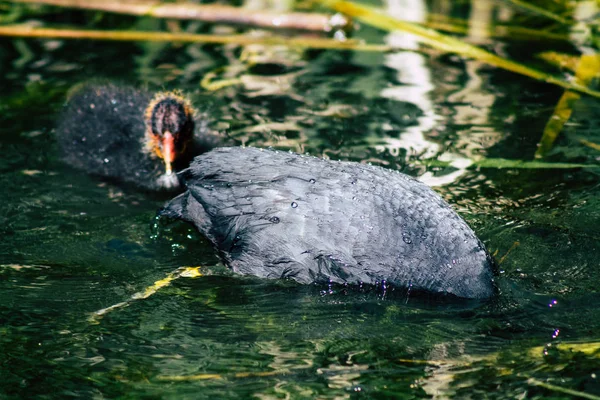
283	215
131	135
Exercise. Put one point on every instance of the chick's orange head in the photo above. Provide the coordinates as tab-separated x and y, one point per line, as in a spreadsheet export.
169	126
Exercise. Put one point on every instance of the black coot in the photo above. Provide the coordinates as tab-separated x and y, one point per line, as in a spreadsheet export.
130	135
282	215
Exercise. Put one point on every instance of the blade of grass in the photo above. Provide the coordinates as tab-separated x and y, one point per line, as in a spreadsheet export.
562	113
183	272
589	348
540	11
503	258
502	163
560	60
207	12
14	13
203	377
496	31
589	144
560	389
310	43
587	69
432	38
462	26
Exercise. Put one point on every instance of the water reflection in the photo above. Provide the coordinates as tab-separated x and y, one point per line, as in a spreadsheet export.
471	104
414	82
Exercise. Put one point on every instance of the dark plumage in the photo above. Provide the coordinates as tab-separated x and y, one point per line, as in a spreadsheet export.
130	135
282	215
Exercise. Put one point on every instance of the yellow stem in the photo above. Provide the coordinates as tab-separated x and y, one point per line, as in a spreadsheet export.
311	43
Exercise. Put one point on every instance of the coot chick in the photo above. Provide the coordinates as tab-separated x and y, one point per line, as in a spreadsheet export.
283	215
129	135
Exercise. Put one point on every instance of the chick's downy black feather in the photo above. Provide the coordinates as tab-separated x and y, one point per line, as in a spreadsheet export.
102	130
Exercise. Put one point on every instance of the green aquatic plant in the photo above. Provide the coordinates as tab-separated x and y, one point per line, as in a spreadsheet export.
432	38
587	69
503	163
309	43
541	11
217	13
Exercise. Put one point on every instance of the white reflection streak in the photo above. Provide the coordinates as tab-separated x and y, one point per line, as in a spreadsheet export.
583	13
476	99
415	76
473	104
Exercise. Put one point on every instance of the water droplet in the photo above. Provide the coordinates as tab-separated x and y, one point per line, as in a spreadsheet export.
340	35
312	180
274	220
294	204
106	160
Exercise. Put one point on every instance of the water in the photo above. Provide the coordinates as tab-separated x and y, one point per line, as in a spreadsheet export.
72	245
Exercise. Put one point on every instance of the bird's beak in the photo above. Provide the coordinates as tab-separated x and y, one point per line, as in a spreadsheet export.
168	151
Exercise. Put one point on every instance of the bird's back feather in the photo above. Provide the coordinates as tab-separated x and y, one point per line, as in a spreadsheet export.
277	214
